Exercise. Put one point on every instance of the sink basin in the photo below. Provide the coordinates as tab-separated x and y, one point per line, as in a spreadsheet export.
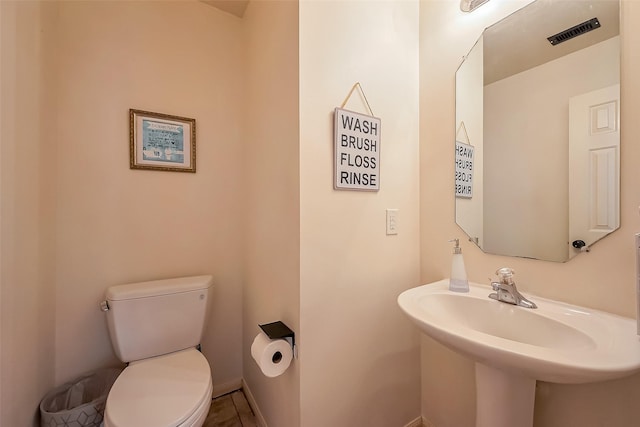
505	321
556	342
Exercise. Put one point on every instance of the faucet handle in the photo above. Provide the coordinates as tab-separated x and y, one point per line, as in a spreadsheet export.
505	274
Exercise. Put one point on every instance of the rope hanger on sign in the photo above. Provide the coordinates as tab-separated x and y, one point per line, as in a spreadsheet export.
359	86
466	135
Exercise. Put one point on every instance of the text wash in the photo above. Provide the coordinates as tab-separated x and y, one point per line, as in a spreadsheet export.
357	125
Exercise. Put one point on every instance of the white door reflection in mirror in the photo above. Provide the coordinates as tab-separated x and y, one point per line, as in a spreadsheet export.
594	165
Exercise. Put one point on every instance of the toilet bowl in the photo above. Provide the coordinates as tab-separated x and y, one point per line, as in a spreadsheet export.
155	327
173	390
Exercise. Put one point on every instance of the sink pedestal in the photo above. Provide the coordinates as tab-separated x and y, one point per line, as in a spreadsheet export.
503	399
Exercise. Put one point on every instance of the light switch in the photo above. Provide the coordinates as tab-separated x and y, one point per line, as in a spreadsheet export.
392	222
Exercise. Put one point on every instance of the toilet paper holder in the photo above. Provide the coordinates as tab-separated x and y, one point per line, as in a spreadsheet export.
278	330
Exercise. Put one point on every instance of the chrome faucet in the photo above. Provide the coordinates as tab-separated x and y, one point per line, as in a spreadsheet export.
506	291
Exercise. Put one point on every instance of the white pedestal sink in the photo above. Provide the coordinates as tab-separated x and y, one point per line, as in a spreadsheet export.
515	346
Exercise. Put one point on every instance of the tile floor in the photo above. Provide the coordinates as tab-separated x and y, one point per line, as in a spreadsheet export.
230	410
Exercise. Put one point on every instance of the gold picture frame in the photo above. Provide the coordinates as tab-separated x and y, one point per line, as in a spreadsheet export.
161	142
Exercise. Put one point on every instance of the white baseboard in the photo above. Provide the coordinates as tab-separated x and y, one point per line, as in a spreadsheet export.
418	422
254	406
427	423
228	387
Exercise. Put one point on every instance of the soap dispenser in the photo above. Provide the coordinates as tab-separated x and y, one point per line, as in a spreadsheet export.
458	280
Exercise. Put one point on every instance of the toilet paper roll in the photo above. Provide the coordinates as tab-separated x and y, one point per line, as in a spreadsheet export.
272	356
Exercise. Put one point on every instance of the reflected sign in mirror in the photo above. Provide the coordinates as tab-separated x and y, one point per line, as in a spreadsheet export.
544	122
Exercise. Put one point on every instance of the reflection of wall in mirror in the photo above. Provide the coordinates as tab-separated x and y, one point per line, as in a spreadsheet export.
526	155
469	83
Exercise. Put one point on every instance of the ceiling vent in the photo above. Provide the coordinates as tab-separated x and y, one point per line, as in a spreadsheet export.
576	31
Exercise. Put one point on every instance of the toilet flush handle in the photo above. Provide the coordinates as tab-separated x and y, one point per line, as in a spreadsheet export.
104	305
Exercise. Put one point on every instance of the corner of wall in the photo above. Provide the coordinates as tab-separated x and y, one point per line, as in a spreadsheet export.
272	199
26	264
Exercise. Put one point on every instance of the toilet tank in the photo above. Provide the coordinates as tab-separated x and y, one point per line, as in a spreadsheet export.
149	319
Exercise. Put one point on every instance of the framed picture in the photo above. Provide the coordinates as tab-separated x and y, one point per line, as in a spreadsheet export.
161	142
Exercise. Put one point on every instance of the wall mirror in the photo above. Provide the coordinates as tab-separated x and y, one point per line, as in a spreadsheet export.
538	131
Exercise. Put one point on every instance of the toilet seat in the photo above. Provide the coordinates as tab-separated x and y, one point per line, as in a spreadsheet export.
173	390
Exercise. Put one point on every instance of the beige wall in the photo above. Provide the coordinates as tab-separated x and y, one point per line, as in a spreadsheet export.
100	223
116	225
27	307
358	353
603	278
272	208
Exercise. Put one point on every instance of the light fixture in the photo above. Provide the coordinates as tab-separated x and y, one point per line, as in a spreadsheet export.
471	5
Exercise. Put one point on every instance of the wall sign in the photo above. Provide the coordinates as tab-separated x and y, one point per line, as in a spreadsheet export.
464	170
357	151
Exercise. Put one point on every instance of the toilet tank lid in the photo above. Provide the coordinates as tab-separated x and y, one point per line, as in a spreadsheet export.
158	287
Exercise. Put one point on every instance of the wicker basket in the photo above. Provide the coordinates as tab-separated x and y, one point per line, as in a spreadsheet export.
79	403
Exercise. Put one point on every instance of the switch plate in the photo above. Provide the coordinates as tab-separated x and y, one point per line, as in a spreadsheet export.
392	222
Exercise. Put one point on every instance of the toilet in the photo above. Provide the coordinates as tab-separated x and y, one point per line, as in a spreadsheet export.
156	328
